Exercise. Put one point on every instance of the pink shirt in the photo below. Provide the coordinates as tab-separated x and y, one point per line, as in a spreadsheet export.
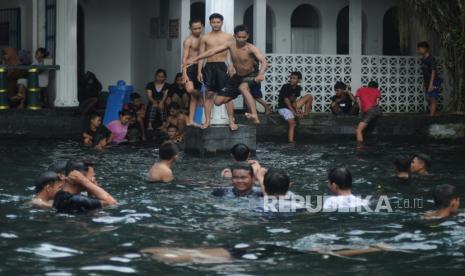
368	97
119	131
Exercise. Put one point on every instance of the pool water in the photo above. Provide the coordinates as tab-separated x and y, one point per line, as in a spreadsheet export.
183	214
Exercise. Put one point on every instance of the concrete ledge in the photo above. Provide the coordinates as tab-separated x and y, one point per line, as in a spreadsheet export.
40	124
218	138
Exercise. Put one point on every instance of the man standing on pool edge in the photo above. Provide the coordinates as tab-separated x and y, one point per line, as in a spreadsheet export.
216	71
244	57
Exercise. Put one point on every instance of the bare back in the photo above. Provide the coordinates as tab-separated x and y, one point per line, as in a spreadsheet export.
213	40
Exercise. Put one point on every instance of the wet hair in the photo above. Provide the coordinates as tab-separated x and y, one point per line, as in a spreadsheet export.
276	182
44	51
74	165
134	96
172	126
216	16
167	151
340	85
240	152
174	105
245	167
58	166
125	112
423	44
373	84
402	163
342	177
443	195
45	179
195	20
423	158
297	74
163	71
241	28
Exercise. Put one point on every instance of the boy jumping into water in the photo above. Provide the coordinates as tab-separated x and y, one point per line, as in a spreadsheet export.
191	48
215	73
244	56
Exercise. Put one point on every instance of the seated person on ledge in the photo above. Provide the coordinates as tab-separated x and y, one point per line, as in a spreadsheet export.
340	183
174	136
119	128
402	164
47	186
178	94
242	183
446	200
290	103
96	135
78	180
240	153
161	171
343	102
137	108
420	164
175	118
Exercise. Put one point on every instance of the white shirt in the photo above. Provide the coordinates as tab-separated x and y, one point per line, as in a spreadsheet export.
343	202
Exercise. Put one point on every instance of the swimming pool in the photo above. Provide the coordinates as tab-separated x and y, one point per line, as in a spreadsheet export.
183	214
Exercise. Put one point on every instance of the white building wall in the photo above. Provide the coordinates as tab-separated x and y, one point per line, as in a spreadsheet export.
108	36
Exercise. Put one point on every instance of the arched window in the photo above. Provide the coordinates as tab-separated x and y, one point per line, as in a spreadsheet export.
270	26
343	32
392	35
305	30
198	11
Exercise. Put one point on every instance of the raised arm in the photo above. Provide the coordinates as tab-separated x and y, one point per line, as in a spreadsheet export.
104	197
209	53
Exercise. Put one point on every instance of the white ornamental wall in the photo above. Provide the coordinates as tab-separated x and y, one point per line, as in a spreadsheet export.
399	78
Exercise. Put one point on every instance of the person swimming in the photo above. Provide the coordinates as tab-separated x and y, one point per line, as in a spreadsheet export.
46	187
421	163
79	178
340	183
240	153
402	164
242	183
161	171
447	202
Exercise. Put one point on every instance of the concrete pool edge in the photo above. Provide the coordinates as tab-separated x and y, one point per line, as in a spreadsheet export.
67	123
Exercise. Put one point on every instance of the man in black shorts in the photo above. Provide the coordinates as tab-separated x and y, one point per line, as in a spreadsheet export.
215	73
244	56
191	48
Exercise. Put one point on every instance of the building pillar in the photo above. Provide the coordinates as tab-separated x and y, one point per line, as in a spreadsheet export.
184	21
259	24
225	8
66	54
355	41
35	25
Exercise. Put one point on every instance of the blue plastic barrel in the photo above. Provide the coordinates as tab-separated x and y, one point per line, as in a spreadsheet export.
119	95
198	116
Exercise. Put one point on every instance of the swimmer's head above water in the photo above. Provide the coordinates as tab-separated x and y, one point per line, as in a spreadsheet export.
340	180
48	181
168	152
276	182
240	152
420	164
242	178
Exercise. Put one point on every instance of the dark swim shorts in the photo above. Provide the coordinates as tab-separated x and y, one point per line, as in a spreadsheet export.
372	114
192	74
232	87
215	76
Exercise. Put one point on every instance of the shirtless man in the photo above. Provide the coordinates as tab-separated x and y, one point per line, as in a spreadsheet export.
176	118
244	57
216	71
191	48
161	171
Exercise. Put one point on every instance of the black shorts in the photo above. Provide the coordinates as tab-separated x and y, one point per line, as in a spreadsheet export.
372	114
232	87
192	74
215	76
257	91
